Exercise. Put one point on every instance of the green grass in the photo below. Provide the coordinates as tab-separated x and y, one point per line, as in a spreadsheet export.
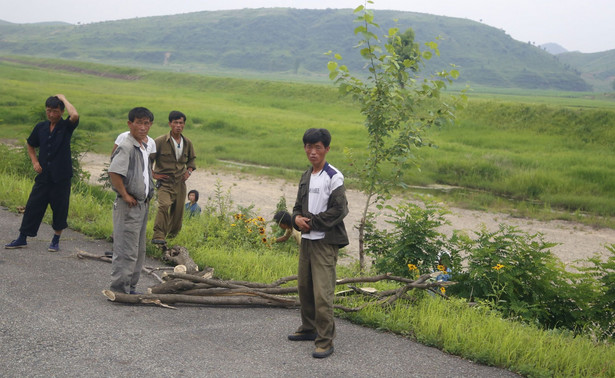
481	335
545	154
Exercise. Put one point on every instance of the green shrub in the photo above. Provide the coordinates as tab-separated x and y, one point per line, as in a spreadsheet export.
413	243
15	161
599	276
518	275
507	270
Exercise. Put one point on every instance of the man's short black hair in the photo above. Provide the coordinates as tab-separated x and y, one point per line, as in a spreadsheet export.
175	114
282	217
313	136
140	112
54	102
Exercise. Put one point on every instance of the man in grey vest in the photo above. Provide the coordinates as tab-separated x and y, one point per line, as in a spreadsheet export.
130	174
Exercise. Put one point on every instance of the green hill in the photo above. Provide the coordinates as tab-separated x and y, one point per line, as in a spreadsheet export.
290	42
597	68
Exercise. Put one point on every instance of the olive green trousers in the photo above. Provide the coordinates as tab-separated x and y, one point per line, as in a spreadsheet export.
316	285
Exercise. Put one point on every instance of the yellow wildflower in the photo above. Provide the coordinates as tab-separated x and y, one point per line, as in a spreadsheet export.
443	289
498	267
442	268
412	267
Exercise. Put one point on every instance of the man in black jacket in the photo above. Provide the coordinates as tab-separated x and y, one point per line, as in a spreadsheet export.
55	170
319	213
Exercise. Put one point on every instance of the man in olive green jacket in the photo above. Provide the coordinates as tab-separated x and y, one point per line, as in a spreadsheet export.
174	163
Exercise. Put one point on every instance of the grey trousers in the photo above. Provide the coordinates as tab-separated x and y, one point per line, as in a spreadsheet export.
129	225
316	285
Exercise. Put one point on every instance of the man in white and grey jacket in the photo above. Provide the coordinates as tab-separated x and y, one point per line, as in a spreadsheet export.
130	173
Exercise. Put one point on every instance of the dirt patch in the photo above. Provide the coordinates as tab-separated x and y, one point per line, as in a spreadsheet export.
13	142
576	241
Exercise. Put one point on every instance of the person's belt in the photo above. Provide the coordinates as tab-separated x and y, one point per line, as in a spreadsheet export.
146	200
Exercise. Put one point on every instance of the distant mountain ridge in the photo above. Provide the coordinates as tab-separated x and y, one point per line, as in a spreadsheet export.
598	69
290	41
553	48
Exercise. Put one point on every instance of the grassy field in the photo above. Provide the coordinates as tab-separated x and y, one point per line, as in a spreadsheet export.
542	154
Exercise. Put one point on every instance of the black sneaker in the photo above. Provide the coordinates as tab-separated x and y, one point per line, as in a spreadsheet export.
16	244
54	247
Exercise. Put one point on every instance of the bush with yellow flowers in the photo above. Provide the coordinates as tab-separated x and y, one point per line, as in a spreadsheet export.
251	230
508	270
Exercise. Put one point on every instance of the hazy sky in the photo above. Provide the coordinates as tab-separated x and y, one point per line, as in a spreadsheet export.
577	25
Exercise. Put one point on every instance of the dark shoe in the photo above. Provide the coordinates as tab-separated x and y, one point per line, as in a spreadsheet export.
54	247
135	292
322	353
16	244
302	336
109	254
159	241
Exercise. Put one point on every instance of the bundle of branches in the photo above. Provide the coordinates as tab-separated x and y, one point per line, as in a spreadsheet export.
177	255
189	285
202	288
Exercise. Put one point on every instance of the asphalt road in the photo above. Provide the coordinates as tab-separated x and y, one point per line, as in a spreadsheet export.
54	321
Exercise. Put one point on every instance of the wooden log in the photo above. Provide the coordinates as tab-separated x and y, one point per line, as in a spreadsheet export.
264	285
223	291
211	281
172	287
207	272
86	255
167	299
179	255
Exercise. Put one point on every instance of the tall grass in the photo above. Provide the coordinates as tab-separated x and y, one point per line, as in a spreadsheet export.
478	334
232	261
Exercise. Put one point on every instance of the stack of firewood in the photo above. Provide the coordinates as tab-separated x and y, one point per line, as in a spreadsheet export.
186	284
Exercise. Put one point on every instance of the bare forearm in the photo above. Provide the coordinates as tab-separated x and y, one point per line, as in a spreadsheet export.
70	109
118	184
32	154
35	164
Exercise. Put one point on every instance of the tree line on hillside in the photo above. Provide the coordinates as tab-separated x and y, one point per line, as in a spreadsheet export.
290	41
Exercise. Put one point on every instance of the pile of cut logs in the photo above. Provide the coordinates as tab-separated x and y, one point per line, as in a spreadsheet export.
186	284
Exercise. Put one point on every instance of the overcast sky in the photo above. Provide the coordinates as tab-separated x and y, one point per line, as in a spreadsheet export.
577	25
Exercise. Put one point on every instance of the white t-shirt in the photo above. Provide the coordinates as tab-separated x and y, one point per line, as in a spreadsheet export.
179	147
322	184
146	170
151	145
